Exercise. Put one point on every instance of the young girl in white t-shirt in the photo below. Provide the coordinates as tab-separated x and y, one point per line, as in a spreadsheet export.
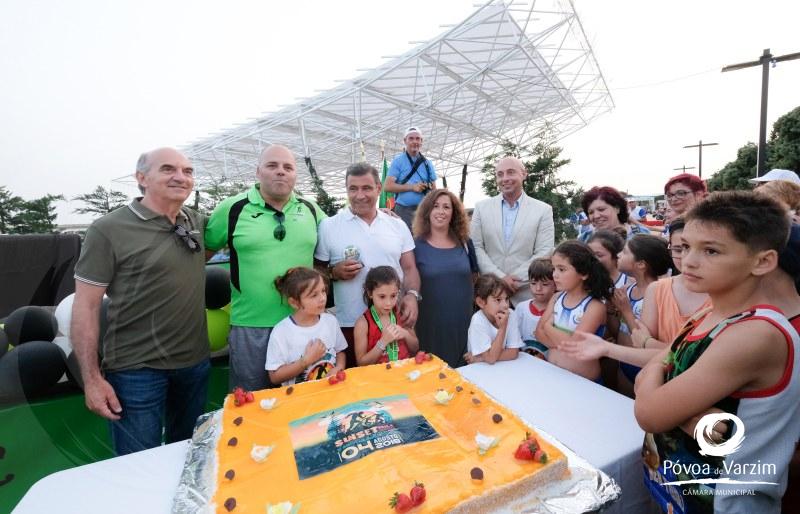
493	333
308	344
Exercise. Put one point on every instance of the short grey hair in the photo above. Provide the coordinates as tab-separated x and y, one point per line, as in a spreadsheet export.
143	166
360	169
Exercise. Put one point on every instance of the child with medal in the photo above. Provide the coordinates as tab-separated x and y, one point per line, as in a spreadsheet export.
378	337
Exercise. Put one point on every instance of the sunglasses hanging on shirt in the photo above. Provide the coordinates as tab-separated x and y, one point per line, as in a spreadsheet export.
280	231
189	240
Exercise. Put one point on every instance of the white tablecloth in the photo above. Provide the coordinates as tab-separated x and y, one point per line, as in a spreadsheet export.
591	420
594	422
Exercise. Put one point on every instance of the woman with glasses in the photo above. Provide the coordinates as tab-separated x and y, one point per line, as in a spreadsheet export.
683	191
607	209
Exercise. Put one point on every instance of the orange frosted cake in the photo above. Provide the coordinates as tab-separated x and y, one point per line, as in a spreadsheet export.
322	447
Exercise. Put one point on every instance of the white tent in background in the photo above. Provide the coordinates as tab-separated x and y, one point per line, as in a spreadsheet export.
511	71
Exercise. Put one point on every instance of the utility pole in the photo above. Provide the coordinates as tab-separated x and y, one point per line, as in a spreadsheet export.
700	146
684	168
763	61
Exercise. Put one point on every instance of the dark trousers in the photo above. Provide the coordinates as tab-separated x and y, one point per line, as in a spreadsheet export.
406	214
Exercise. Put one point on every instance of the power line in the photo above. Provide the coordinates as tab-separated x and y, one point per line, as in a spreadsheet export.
667	81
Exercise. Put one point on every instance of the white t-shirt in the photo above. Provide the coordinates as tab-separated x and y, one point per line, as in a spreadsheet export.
379	244
527	321
288	342
481	333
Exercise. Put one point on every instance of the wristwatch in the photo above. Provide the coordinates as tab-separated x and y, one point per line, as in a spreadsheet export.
415	293
330	273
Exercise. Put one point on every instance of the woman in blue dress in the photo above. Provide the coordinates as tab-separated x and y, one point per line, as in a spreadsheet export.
447	265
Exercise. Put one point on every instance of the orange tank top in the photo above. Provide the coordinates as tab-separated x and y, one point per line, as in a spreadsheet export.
670	320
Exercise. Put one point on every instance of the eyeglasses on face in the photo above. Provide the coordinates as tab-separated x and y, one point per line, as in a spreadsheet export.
188	239
678	194
280	231
675	250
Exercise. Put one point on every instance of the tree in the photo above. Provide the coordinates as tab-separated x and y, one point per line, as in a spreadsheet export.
101	201
783	151
10	206
542	164
736	174
218	189
36	216
329	204
784	142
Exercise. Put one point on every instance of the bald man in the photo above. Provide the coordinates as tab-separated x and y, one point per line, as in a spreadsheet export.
268	229
511	229
148	258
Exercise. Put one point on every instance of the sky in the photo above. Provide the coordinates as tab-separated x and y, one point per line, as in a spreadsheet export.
87	85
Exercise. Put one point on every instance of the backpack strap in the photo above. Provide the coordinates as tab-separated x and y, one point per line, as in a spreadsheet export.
414	167
310	207
233	217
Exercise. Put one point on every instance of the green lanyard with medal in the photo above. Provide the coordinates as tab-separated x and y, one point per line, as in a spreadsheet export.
392	349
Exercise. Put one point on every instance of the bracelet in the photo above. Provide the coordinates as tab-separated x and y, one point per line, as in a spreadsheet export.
381	346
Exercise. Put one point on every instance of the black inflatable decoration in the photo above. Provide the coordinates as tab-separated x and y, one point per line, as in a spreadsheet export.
30	370
31	323
3	343
74	370
218	287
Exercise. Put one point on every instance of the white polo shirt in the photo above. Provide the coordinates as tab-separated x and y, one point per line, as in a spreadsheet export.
379	244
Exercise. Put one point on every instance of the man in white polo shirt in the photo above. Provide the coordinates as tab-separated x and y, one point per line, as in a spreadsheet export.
359	238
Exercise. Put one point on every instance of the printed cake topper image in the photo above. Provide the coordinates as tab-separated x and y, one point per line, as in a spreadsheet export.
324	441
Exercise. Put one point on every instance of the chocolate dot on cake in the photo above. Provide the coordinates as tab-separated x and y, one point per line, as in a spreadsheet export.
476	401
230	474
459	389
442	376
497	418
476	474
238	421
230	504
233	441
289	390
388	366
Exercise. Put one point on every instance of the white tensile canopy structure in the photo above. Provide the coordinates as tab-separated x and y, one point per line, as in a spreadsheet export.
516	71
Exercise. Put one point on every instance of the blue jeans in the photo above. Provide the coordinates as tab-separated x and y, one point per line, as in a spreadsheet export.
155	401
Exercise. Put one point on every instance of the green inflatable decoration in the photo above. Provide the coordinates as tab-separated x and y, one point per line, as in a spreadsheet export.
219	324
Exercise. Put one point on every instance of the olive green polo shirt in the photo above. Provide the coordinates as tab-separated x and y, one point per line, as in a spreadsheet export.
156	317
247	225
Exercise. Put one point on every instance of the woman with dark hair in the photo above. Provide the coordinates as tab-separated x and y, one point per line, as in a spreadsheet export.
607	209
447	264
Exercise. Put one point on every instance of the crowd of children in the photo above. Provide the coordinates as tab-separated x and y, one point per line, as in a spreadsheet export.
705	323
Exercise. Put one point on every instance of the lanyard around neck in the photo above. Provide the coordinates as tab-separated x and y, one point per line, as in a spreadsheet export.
392	349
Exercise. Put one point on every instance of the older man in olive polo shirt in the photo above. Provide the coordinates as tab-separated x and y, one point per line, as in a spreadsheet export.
268	230
148	258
